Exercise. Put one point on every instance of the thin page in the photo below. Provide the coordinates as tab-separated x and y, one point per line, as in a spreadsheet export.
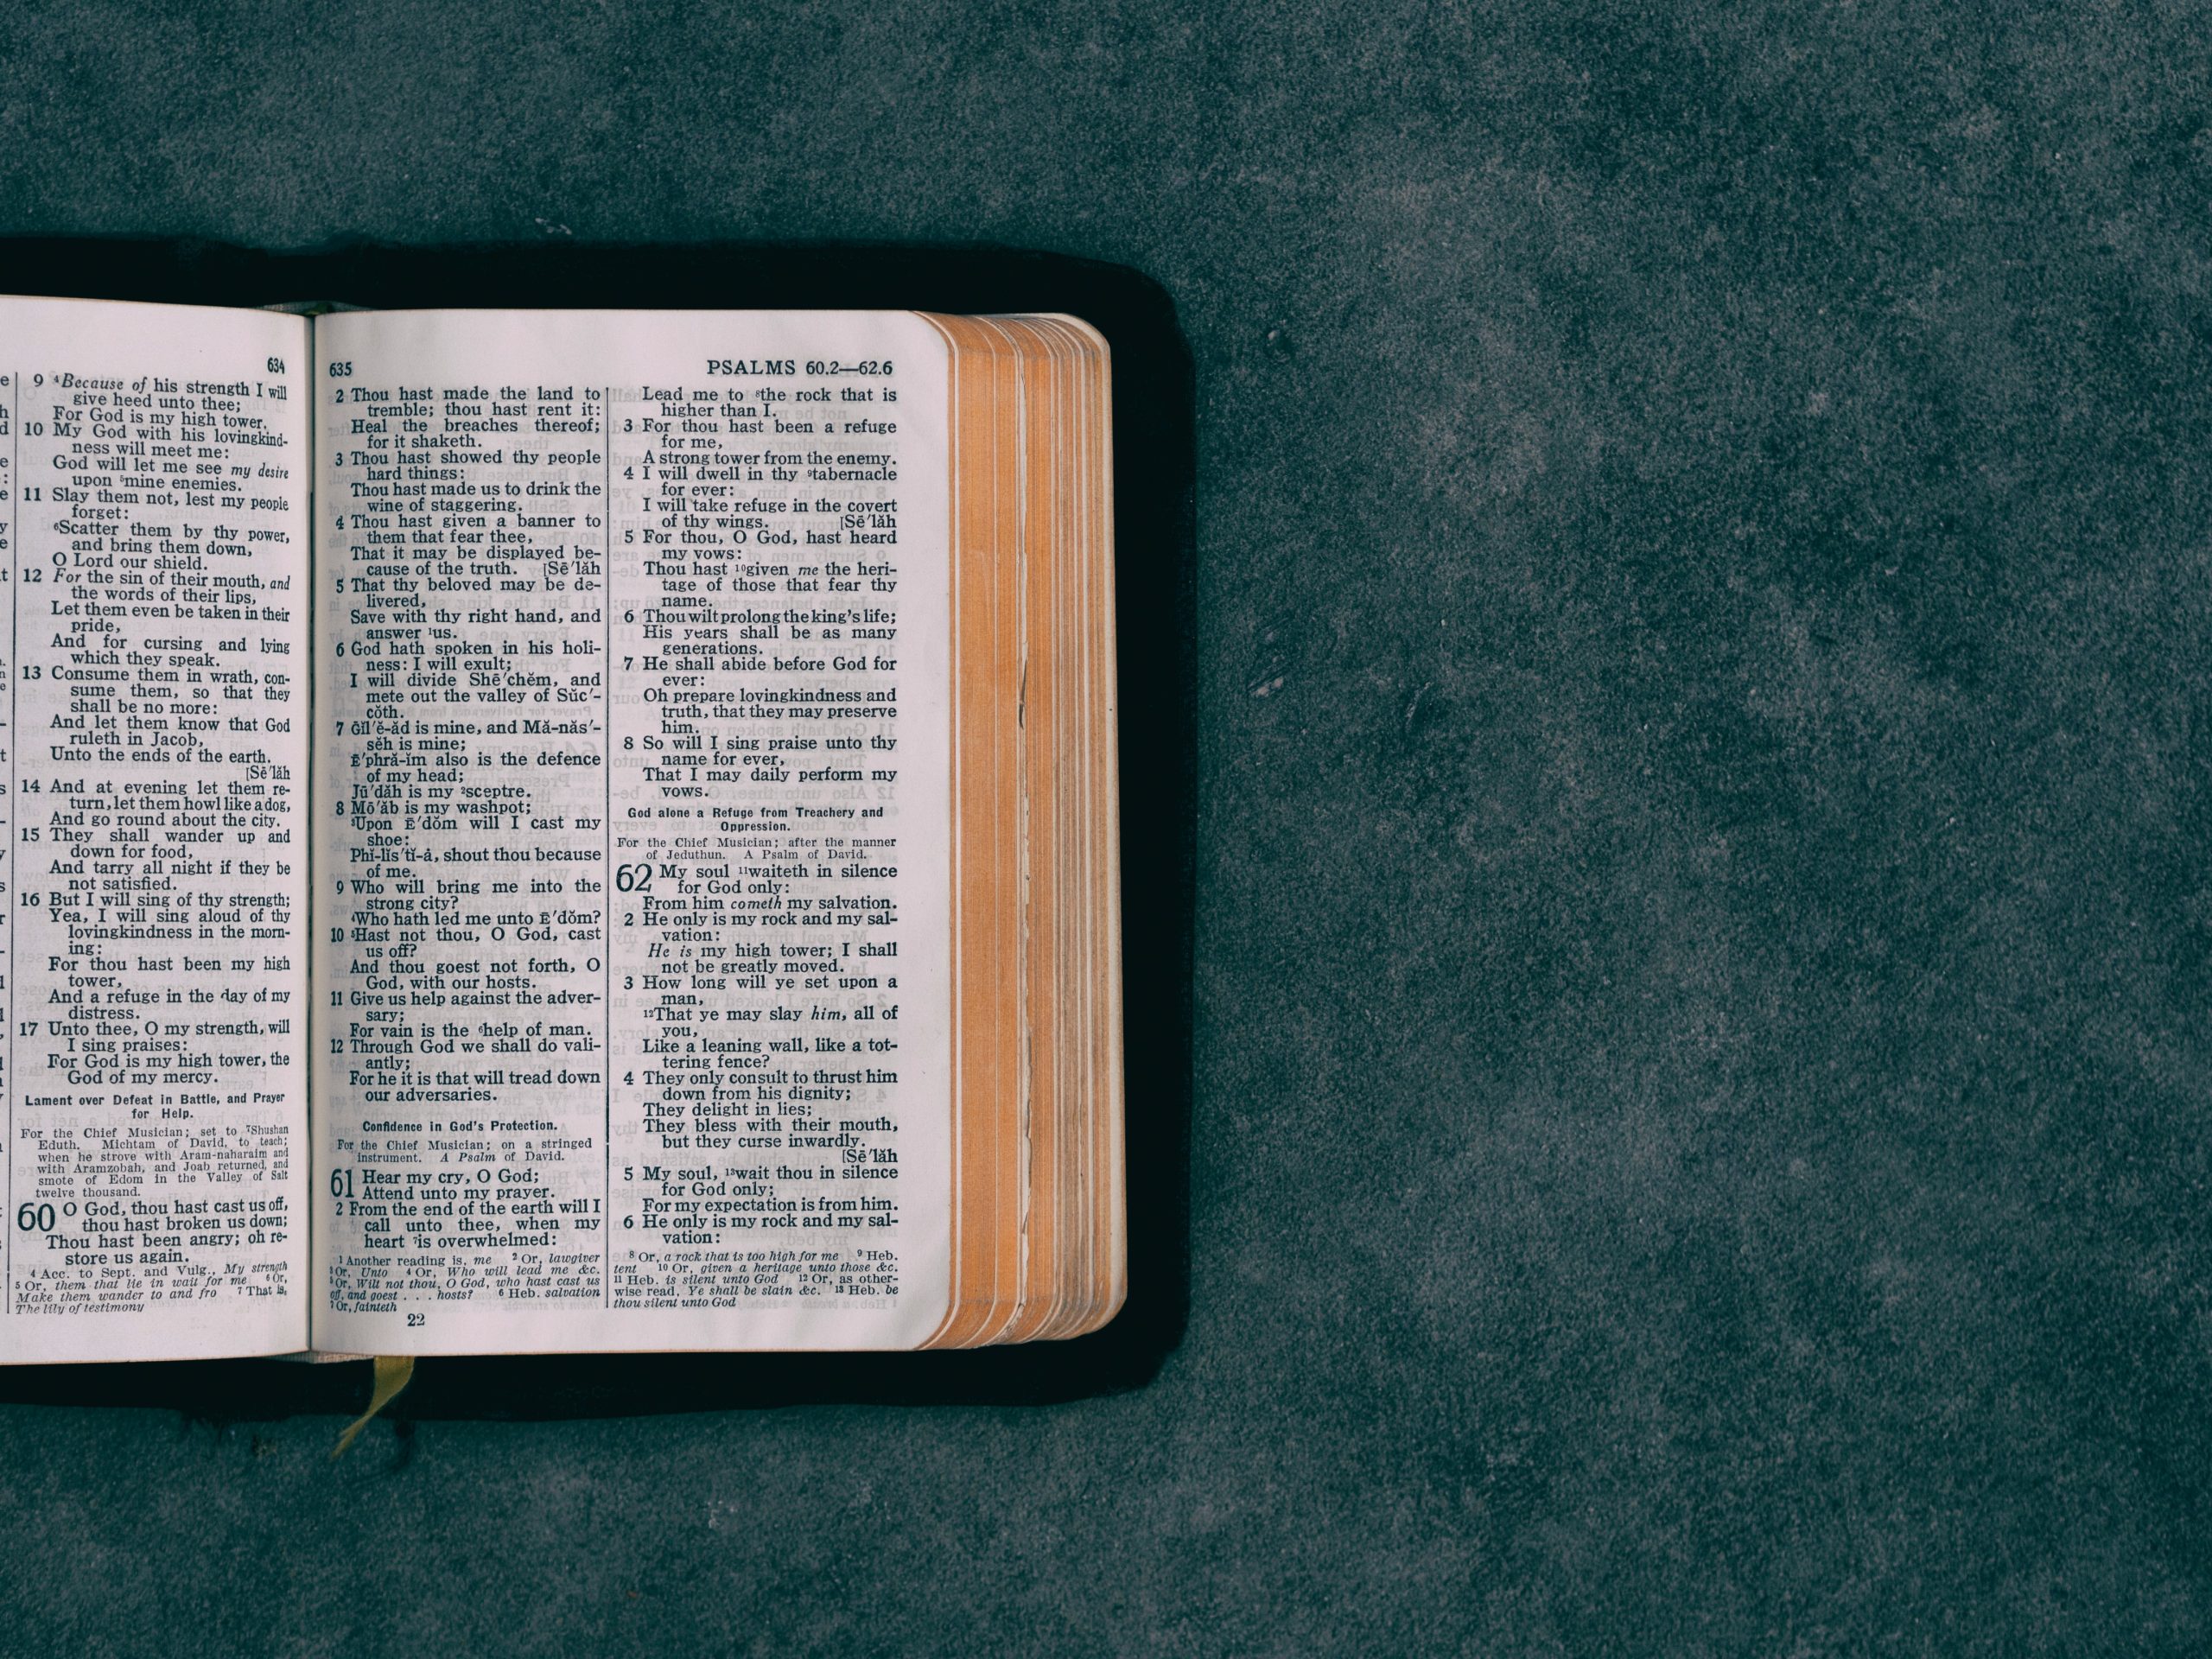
632	755
154	523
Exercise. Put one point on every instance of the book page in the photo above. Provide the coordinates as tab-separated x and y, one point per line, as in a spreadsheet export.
154	514
632	735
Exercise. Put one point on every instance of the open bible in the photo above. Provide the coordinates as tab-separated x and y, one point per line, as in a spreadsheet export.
555	831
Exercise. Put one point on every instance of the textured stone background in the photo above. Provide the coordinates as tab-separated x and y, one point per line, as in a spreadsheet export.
1698	1084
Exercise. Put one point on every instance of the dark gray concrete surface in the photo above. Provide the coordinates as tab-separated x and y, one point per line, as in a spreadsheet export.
1698	1113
